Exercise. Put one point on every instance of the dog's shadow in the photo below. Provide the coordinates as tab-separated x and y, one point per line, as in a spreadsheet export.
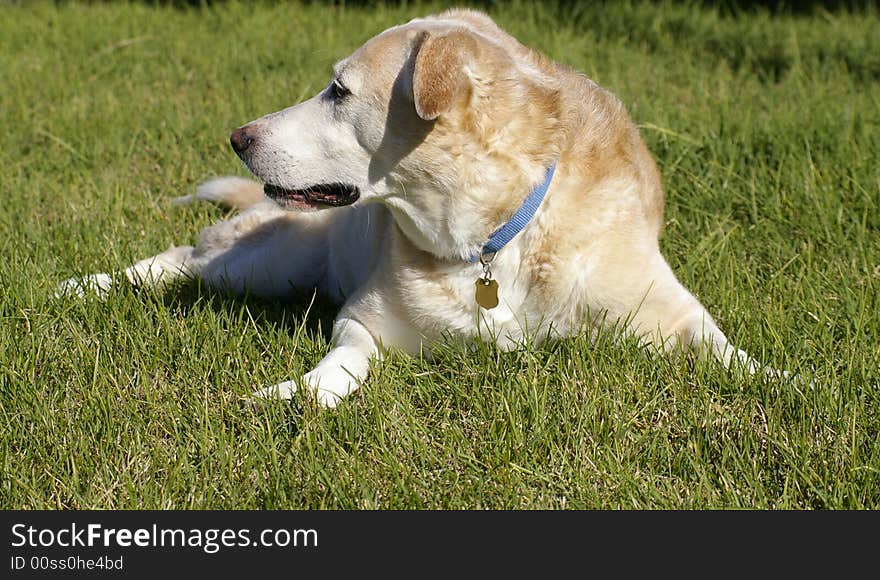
296	313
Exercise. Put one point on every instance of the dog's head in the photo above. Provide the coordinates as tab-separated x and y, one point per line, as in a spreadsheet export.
447	120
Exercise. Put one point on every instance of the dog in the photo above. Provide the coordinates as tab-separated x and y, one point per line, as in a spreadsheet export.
448	181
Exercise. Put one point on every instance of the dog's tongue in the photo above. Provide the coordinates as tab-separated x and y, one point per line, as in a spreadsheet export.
290	199
330	194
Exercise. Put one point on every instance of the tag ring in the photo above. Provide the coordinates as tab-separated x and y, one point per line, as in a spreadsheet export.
486	260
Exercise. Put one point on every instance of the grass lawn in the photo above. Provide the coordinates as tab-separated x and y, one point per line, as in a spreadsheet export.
767	132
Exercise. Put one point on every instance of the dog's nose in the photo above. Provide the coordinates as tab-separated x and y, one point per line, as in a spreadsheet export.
241	139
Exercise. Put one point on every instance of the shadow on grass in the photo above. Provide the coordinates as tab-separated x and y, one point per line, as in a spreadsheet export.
299	310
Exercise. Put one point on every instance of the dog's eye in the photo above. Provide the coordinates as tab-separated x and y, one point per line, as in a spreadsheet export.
338	91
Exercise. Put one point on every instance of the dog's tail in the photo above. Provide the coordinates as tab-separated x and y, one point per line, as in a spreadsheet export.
231	191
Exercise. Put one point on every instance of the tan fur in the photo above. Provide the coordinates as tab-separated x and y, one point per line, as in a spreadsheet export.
230	192
439	78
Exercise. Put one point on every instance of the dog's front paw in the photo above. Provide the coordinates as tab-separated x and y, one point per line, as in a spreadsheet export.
798	381
322	389
97	284
282	391
330	384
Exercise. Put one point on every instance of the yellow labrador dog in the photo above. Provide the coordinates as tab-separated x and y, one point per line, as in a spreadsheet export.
448	180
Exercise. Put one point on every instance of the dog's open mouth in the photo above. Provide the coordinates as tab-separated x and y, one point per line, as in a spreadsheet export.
313	197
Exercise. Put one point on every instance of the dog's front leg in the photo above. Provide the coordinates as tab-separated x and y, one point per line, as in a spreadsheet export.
365	326
340	372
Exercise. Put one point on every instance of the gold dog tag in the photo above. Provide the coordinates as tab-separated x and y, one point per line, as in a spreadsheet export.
487	293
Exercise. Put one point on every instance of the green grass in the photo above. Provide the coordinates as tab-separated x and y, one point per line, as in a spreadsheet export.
767	132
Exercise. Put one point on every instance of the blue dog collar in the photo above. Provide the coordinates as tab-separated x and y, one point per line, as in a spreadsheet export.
520	219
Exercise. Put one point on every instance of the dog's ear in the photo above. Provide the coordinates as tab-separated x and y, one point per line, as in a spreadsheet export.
440	77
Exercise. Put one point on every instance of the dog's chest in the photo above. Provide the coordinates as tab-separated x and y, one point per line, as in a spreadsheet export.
440	299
